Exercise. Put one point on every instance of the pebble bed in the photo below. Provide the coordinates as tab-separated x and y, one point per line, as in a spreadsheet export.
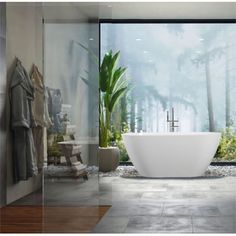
131	172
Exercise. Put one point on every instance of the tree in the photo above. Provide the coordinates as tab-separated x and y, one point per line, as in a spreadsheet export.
204	59
227	89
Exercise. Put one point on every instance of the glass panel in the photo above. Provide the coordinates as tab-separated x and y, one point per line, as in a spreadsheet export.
188	67
71	167
71	187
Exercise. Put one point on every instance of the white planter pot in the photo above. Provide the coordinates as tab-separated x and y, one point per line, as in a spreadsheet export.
108	158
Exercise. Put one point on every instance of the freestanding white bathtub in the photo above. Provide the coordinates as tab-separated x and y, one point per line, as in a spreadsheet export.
171	154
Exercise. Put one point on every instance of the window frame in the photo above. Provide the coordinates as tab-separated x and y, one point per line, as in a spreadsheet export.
166	21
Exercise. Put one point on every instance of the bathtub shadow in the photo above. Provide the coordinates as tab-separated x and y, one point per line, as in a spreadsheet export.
180	178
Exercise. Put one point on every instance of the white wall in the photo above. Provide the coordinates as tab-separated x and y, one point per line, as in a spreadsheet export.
24	40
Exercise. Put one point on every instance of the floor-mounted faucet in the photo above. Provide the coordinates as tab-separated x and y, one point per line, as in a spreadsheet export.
172	120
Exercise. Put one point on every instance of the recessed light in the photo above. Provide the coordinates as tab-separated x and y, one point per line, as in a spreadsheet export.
150	60
145	51
201	39
91	39
198	52
138	39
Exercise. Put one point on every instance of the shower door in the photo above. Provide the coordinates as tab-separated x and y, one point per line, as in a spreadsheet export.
71	189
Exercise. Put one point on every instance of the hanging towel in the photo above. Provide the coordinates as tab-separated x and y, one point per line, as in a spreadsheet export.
54	108
22	120
39	105
40	113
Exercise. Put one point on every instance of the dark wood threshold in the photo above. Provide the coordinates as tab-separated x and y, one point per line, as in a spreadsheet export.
50	219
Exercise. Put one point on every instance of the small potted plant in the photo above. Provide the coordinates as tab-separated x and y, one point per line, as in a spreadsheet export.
112	86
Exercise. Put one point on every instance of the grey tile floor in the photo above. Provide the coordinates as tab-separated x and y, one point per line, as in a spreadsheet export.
201	205
71	192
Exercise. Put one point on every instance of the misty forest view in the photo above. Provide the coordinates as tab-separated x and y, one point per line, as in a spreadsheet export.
190	67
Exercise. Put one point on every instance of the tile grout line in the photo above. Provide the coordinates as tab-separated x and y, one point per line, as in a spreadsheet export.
192	223
163	209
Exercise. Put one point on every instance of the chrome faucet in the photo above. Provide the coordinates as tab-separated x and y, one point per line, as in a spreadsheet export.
172	121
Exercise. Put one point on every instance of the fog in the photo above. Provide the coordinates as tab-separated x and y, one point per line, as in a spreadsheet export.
190	67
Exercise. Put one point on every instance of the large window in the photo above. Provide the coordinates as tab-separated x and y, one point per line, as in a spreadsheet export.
188	66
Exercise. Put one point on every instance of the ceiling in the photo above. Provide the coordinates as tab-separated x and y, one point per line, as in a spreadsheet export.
141	10
155	10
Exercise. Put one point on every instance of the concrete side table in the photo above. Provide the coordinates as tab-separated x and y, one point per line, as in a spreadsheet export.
70	149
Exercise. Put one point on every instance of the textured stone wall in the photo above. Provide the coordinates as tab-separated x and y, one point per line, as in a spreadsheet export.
2	103
24	40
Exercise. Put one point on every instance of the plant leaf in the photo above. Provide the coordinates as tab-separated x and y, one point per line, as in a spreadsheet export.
114	60
115	98
94	57
116	77
89	83
104	74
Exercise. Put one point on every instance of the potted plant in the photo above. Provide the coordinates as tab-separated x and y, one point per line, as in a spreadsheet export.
112	86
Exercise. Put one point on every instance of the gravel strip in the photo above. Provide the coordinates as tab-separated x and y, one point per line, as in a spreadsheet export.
131	172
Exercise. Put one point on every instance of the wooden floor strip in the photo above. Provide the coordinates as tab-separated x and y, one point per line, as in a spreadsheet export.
38	219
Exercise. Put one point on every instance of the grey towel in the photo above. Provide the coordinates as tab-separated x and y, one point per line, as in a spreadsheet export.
21	96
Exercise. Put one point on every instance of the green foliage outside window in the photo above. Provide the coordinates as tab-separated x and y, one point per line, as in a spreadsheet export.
227	147
116	138
225	152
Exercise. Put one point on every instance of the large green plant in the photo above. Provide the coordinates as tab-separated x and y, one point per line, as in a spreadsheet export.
112	86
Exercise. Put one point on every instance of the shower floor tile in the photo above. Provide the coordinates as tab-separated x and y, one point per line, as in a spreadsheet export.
136	210
114	224
191	210
154	224
211	224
